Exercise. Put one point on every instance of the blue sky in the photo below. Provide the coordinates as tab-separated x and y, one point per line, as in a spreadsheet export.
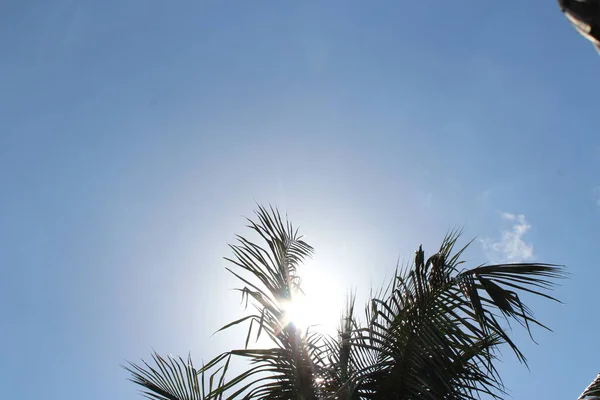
136	134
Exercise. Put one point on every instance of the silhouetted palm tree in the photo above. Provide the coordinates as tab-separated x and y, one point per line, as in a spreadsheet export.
592	392
432	333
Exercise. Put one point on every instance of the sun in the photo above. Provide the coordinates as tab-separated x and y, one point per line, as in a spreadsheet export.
298	312
319	307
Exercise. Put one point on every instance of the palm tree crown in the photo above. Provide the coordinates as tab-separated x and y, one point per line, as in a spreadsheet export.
431	333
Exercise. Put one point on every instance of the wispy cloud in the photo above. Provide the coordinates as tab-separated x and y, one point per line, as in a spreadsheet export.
511	247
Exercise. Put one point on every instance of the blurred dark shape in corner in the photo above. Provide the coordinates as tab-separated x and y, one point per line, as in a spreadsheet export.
584	15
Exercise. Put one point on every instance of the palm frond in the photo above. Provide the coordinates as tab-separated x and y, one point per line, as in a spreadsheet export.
339	360
434	330
271	281
592	391
173	378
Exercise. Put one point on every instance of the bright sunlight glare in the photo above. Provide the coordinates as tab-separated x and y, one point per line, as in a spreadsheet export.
320	307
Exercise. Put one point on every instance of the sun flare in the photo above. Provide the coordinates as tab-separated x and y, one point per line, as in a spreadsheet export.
320	305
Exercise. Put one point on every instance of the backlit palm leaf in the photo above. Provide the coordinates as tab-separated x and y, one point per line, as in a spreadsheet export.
287	370
435	329
173	378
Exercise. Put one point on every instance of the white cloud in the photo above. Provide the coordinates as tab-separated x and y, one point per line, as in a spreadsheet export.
511	246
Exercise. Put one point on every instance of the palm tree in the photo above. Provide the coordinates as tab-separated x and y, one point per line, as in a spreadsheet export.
592	392
431	333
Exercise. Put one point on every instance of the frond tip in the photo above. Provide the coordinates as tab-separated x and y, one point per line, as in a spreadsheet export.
173	378
592	392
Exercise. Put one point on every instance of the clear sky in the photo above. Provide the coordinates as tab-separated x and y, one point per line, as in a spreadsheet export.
134	135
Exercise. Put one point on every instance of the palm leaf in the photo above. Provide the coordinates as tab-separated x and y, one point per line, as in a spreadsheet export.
271	280
434	330
172	378
592	391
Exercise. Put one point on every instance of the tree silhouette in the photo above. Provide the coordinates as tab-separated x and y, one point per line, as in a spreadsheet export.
431	333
